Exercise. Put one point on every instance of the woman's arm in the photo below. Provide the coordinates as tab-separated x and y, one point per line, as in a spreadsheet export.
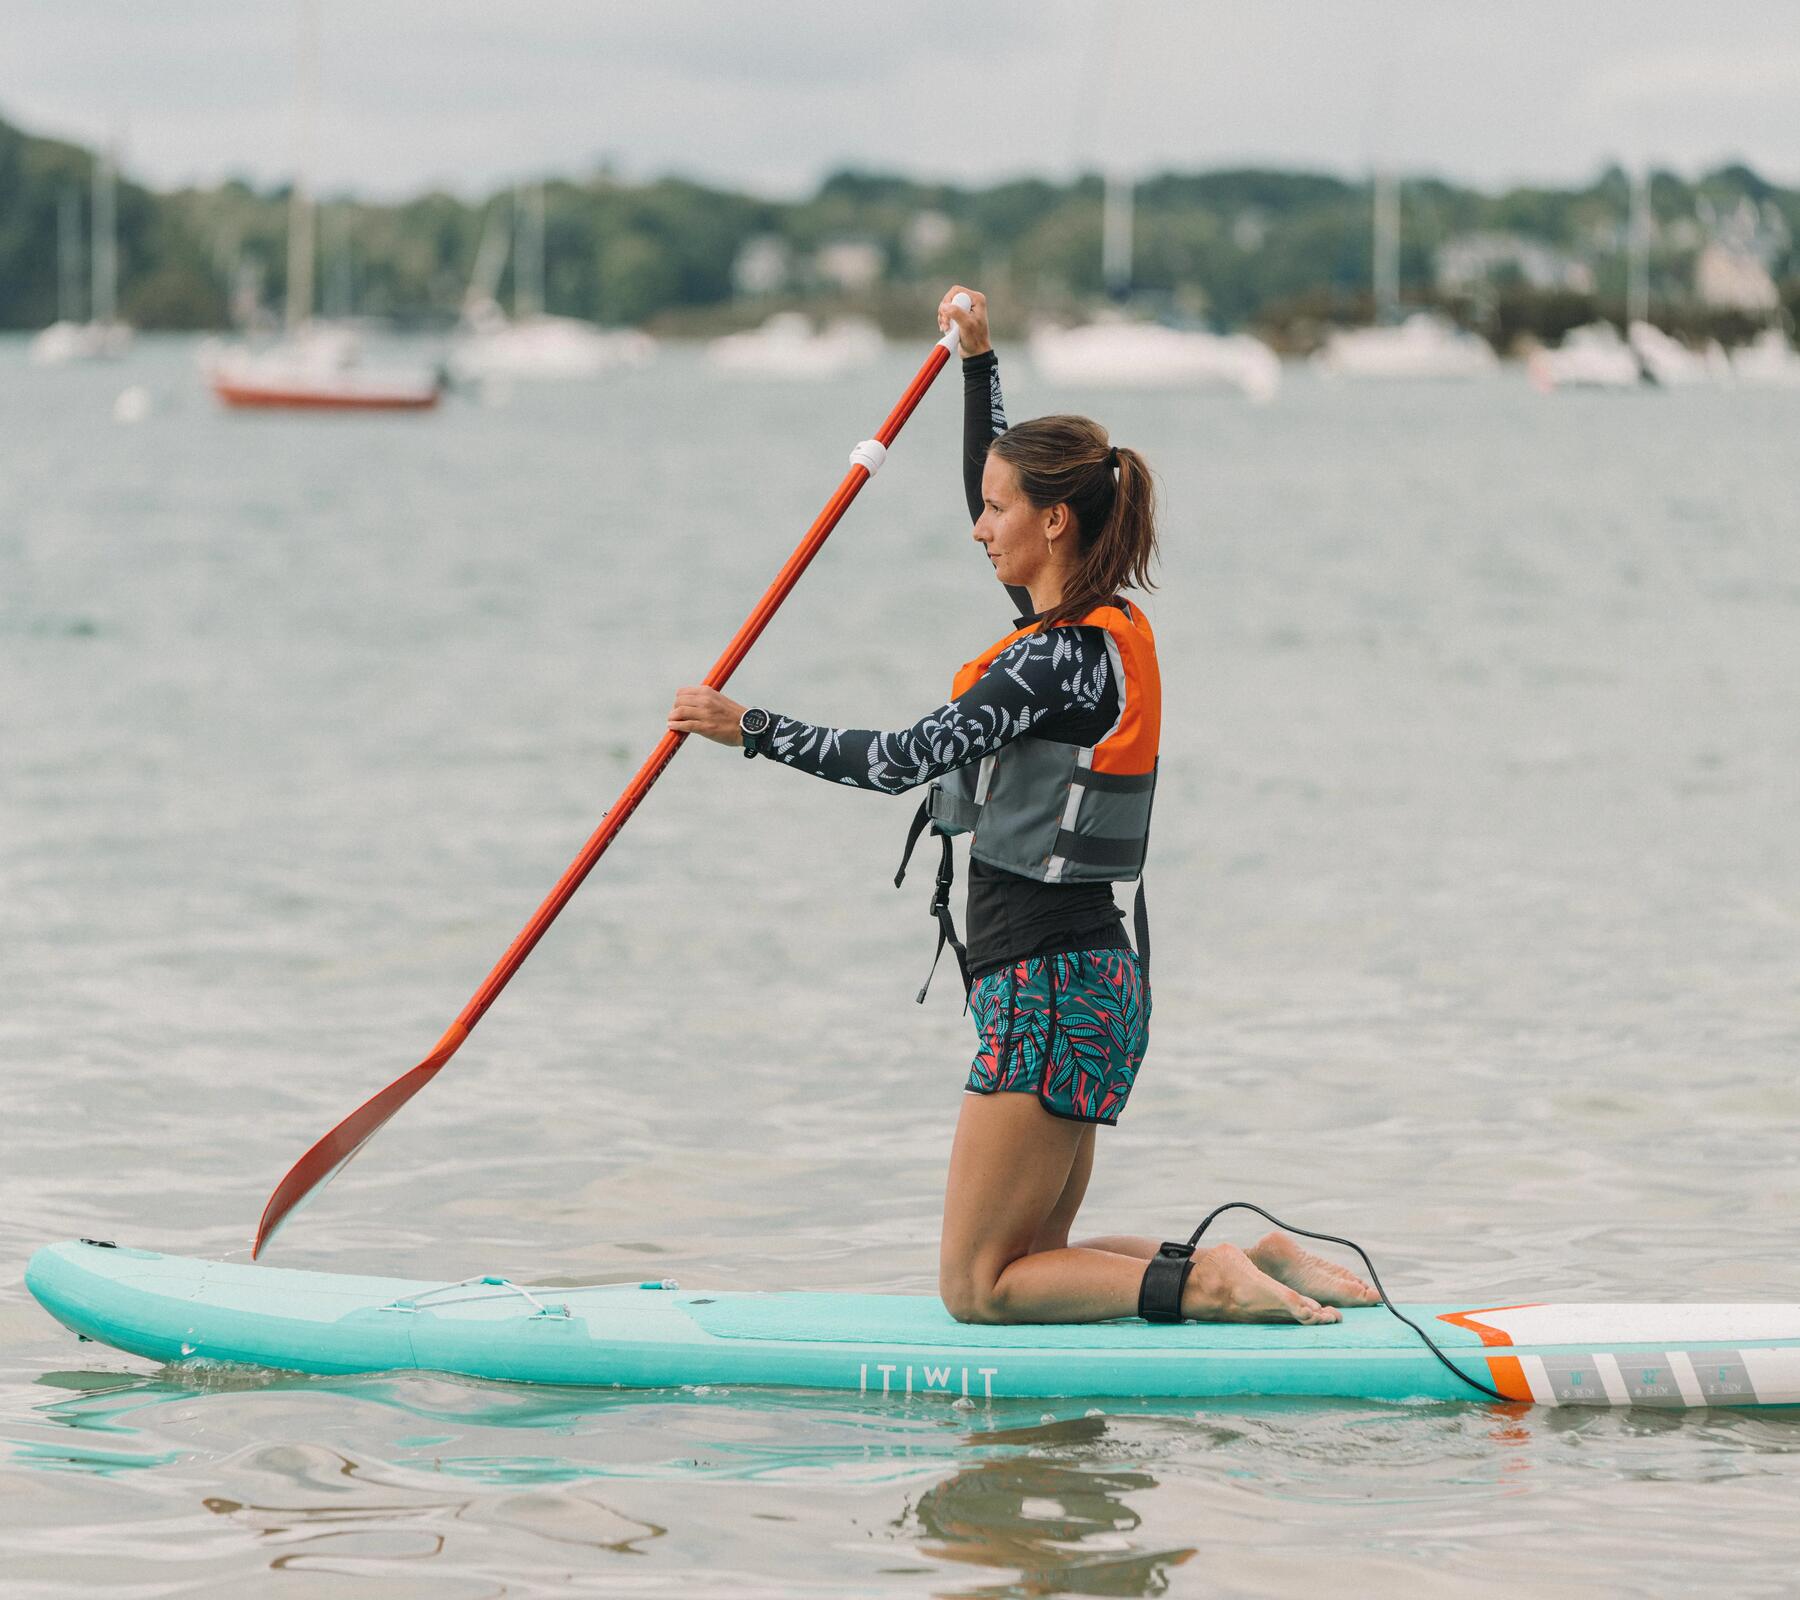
984	420
1059	684
984	407
984	413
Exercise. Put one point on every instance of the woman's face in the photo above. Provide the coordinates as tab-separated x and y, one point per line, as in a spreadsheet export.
1021	540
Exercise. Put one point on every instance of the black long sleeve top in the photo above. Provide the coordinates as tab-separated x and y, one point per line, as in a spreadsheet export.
1058	684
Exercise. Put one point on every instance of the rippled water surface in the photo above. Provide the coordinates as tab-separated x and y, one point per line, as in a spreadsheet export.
1476	891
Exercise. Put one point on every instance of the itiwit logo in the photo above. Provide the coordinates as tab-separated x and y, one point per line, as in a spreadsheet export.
894	1377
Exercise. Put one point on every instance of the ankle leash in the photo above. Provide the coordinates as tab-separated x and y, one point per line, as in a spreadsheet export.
1166	1275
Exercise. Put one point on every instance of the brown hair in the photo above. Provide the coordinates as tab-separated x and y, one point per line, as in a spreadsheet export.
1067	460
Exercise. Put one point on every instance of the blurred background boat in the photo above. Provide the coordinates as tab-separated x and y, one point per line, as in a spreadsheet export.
1113	353
1767	359
1593	356
1119	350
316	366
1425	345
788	345
1670	363
532	344
103	336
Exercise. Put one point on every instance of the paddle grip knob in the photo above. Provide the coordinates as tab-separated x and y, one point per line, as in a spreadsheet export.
952	340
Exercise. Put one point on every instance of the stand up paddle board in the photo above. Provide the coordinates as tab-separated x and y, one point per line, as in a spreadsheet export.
174	1309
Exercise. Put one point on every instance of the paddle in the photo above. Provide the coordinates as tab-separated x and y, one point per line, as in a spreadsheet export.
329	1156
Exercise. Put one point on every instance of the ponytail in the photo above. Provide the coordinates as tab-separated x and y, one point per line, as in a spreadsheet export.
1111	496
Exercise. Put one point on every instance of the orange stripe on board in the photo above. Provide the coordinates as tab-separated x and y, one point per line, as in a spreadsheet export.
1466	1319
1508	1373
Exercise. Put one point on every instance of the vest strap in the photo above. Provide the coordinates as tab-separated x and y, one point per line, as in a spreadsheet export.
921	819
946	921
1114	782
1140	921
940	898
1095	851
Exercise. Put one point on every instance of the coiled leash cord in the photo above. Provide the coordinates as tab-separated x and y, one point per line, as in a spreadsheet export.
1159	1300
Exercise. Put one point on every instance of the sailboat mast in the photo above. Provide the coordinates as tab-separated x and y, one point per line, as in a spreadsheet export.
1387	247
106	260
1115	236
1637	244
300	210
528	258
68	256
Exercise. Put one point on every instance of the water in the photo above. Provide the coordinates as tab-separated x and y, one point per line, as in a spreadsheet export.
1476	893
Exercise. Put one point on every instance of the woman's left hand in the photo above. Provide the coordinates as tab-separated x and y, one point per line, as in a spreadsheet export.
708	713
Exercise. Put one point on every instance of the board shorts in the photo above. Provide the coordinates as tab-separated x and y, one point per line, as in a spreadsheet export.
1071	1029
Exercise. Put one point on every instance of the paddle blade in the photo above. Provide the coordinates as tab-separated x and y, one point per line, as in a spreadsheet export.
326	1159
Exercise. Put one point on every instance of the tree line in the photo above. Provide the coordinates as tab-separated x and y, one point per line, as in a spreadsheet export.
1287	253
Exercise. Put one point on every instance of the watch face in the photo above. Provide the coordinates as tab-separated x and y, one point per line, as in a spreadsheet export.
755	721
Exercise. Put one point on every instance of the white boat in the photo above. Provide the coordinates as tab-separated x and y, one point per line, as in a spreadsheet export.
1426	345
1590	357
531	344
1667	361
103	336
1115	351
1146	355
493	346
63	342
1768	360
789	346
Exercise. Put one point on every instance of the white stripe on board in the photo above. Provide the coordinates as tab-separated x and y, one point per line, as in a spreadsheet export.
1611	1379
1538	1380
1686	1378
1774	1375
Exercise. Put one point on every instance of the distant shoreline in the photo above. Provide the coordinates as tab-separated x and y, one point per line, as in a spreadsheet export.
1288	255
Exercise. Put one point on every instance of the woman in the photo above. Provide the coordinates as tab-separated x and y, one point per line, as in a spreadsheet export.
1046	755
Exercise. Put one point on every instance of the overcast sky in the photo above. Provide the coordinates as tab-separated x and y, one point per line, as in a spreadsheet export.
771	94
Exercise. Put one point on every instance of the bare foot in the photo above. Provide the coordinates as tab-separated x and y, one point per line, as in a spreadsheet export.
1301	1270
1227	1286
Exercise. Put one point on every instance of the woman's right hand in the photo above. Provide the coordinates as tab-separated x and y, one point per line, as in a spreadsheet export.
971	325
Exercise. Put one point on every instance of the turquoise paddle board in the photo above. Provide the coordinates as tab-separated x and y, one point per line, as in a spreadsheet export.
175	1309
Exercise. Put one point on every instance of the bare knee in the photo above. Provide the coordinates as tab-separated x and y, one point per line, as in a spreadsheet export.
971	1296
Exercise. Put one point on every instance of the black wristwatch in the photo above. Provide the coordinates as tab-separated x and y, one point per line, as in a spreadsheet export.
753	724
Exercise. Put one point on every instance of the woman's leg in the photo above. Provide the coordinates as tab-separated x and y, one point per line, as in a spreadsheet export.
1278	1254
1016	1176
1054	1234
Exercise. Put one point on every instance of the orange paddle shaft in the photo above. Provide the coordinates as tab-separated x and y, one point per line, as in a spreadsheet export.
327	1158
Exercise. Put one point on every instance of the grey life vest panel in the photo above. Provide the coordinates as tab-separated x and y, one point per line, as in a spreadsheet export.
1038	808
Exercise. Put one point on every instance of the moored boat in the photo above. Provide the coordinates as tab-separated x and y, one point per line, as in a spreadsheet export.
317	368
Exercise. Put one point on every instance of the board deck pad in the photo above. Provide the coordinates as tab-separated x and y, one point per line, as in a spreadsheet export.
177	1309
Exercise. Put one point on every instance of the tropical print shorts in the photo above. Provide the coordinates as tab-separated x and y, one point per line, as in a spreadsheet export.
1070	1029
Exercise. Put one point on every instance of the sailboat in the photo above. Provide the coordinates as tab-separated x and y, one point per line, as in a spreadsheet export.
1117	351
1593	356
788	345
1767	360
1596	357
102	336
532	344
316	366
1424	345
